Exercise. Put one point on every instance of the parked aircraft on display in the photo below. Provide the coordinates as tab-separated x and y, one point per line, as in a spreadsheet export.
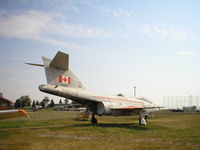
61	81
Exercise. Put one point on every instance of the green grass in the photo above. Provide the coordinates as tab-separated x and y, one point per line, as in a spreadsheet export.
59	130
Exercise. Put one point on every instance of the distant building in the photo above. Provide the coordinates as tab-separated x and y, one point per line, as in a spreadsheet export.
73	106
5	103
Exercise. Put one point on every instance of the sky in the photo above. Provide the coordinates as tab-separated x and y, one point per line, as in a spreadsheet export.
113	45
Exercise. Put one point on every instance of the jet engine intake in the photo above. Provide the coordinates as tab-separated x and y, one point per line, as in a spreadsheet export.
103	109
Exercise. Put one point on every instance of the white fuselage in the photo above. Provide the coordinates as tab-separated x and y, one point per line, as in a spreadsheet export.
103	105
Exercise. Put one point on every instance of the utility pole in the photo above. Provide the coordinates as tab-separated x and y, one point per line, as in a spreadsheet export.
134	91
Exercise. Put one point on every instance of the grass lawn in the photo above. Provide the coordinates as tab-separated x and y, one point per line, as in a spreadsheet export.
58	130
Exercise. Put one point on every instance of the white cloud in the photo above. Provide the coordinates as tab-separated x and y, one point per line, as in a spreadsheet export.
69	4
116	12
105	9
62	43
28	25
75	31
186	53
170	32
39	26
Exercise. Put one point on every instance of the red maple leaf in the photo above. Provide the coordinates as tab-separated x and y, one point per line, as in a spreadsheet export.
65	79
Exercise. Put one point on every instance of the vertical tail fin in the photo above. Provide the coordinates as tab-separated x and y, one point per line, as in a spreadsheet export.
58	72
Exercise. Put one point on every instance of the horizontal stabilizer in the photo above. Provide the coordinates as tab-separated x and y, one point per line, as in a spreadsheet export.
40	65
60	61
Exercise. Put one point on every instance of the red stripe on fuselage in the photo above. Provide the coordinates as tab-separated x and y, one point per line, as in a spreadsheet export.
122	99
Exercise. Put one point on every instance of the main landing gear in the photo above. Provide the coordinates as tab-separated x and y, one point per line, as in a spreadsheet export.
93	120
142	118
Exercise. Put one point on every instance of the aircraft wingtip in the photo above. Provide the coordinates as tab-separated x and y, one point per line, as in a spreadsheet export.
24	112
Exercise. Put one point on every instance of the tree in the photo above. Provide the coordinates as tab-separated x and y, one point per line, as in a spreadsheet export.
23	101
52	103
42	103
45	101
60	102
37	103
17	104
33	104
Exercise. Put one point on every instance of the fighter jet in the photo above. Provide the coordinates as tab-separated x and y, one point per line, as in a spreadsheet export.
61	81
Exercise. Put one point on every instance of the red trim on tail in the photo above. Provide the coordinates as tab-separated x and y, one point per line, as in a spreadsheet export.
69	80
60	79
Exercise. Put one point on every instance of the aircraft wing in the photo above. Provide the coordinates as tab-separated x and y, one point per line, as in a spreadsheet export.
6	114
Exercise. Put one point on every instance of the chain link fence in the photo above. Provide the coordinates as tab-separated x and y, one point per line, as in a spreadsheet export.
178	102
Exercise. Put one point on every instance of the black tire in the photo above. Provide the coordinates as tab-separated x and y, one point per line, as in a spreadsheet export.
94	121
146	119
140	120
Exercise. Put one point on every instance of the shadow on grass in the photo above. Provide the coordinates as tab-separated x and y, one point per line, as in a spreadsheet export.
57	126
115	125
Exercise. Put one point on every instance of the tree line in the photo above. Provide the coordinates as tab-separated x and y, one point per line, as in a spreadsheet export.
25	101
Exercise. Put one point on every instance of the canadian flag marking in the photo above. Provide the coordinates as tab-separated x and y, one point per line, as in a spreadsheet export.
64	79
